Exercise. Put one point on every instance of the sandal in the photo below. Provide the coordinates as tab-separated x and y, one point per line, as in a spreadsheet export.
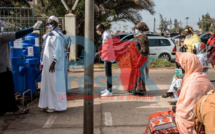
20	112
166	95
174	109
173	103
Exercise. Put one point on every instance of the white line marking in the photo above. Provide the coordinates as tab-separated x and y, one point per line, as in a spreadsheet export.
108	119
50	121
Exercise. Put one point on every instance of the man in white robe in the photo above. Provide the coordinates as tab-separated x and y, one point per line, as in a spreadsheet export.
53	84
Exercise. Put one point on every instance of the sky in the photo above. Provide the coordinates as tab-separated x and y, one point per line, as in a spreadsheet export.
174	9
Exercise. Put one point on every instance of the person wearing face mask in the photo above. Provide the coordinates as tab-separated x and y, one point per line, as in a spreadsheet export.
195	85
142	44
175	86
190	39
107	50
53	83
7	99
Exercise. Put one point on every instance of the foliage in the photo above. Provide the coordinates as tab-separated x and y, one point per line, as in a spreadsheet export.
106	11
163	27
14	3
166	25
158	63
207	24
101	66
161	63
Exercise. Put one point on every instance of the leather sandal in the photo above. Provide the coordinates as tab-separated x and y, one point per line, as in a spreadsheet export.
23	111
166	95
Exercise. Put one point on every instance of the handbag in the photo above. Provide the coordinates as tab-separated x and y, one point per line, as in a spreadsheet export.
162	123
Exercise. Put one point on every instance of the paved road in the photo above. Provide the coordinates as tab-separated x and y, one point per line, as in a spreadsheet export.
121	114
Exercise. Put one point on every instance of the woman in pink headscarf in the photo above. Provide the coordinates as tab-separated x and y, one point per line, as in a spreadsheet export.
195	85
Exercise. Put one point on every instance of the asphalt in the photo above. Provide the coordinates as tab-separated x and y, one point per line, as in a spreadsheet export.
123	114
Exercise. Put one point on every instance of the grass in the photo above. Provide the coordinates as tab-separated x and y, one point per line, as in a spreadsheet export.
161	63
158	63
101	66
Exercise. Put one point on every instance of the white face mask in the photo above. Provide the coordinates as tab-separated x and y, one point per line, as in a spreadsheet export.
50	27
136	31
2	29
189	36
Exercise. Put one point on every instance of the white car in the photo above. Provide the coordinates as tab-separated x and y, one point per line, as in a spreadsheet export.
162	47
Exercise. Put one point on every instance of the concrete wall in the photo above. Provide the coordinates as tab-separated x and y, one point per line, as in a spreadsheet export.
70	27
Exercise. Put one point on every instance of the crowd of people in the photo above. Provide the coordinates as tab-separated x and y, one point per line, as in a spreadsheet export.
191	88
193	110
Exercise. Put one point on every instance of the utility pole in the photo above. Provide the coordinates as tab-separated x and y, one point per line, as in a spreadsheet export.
154	25
89	69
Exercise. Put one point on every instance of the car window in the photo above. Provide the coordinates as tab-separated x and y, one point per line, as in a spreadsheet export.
121	36
153	42
164	42
128	37
208	36
205	37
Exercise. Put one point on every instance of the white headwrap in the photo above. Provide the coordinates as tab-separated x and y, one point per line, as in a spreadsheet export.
53	18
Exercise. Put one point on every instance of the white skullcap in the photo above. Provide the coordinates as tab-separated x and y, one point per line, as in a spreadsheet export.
53	18
2	24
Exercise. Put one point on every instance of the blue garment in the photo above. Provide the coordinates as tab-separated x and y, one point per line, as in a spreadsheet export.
67	43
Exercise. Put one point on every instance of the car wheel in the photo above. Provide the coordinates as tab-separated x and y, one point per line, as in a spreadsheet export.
165	56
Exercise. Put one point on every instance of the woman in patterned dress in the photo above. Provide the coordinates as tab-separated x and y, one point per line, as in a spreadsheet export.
142	43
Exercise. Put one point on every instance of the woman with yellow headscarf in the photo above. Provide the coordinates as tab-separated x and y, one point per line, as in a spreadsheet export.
190	40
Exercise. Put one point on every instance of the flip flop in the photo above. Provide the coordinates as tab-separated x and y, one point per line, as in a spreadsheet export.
23	111
166	95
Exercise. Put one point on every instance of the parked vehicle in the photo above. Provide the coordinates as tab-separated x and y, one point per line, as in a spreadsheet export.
170	35
173	34
128	37
205	37
131	36
162	47
120	35
177	37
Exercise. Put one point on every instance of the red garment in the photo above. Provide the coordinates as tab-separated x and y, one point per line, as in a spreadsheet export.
129	60
211	57
211	41
161	123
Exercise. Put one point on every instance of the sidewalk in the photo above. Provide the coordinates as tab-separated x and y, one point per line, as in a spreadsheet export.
113	116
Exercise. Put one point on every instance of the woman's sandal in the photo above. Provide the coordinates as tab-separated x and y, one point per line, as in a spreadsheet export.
166	95
23	111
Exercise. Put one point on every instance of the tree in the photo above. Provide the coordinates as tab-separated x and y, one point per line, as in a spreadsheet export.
14	3
170	24
205	23
176	26
163	27
106	11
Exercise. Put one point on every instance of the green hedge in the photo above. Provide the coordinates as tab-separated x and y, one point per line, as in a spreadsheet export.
161	63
